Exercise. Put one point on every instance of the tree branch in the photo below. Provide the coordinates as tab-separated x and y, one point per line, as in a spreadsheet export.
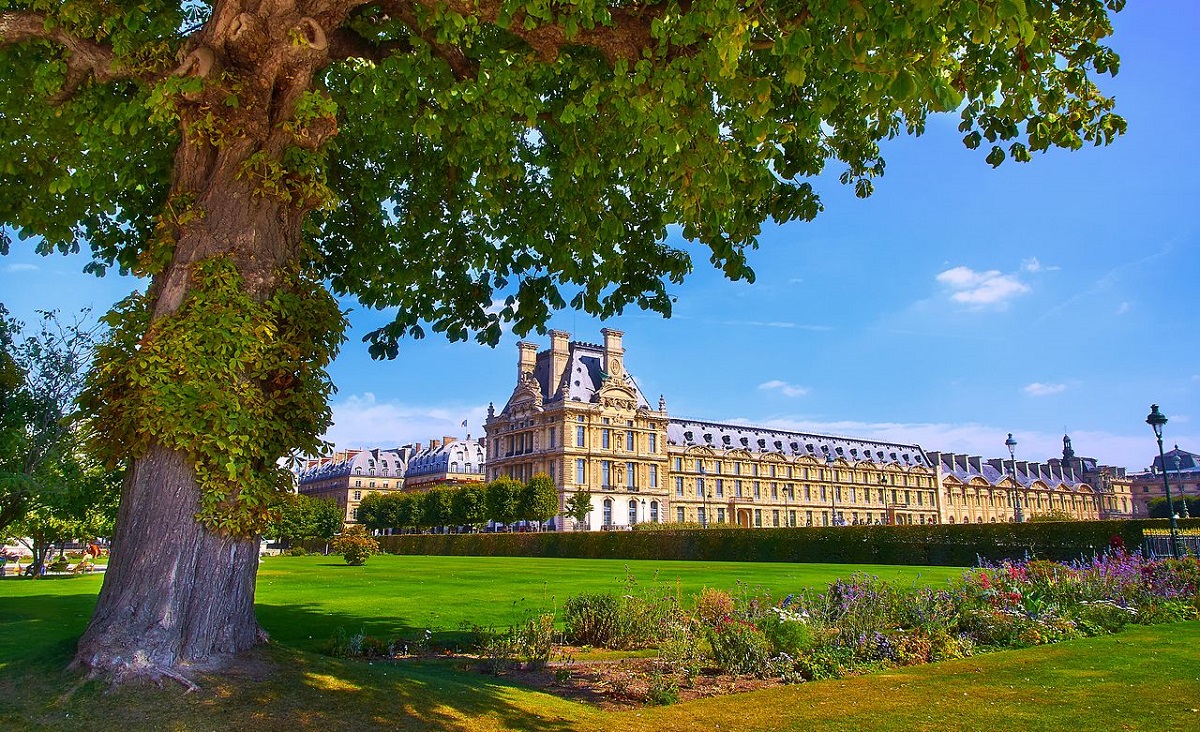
84	57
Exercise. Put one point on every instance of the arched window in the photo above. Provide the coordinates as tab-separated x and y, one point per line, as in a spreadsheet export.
633	517
608	511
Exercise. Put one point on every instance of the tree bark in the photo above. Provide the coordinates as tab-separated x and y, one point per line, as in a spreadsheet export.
175	596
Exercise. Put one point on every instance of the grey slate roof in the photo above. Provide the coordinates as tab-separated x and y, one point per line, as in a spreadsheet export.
995	470
585	375
394	462
719	436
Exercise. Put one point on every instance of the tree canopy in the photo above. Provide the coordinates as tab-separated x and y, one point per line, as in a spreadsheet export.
601	123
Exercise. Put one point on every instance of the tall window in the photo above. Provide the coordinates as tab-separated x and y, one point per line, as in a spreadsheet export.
679	514
737	488
607	511
758	517
700	487
629	441
717	467
579	436
679	465
629	474
653	442
679	485
580	471
720	488
720	515
553	434
653	476
701	515
633	517
605	473
654	512
358	495
605	436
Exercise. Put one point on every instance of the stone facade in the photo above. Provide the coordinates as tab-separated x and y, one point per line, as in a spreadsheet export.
578	416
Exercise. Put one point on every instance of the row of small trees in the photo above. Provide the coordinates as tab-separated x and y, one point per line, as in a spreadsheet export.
503	501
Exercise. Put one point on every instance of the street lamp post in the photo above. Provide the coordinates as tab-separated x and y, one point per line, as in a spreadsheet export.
1183	507
1156	420
1018	514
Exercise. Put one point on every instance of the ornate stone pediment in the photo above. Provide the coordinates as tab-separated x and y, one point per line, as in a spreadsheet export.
526	397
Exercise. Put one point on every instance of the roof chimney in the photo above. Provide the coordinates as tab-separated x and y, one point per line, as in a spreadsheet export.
559	349
526	359
447	439
434	444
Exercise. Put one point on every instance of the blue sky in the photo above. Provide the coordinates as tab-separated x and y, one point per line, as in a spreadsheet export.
957	304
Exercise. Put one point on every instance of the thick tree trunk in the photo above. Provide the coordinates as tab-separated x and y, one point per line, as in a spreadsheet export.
175	596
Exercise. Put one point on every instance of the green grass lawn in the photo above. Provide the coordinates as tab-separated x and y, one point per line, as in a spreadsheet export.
1143	679
302	601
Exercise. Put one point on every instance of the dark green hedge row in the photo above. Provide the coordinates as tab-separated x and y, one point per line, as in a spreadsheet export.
946	545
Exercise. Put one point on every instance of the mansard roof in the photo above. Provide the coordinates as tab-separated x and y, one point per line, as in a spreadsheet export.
392	463
465	456
584	376
996	470
685	432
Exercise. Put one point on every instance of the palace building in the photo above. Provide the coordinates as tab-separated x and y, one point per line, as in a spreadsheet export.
347	476
578	416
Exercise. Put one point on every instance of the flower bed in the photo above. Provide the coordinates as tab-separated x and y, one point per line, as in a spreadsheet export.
855	625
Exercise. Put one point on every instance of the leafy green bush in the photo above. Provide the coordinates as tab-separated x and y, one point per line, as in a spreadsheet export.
662	690
593	619
738	647
355	545
296	551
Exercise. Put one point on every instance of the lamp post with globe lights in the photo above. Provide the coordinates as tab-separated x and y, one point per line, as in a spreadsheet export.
1156	420
1018	514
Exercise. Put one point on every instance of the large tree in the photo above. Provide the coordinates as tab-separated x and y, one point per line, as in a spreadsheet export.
42	372
435	156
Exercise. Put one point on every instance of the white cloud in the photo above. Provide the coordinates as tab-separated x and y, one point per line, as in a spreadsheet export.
1123	308
981	289
1037	389
21	267
789	390
1033	265
361	421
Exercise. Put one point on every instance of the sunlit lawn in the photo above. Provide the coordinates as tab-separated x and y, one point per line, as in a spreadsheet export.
1143	679
302	601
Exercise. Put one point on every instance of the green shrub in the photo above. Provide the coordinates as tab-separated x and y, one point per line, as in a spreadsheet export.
662	690
355	545
942	544
681	651
296	551
593	619
787	632
738	647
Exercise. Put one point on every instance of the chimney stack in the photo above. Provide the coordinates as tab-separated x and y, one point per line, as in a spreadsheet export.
559	350
526	359
434	444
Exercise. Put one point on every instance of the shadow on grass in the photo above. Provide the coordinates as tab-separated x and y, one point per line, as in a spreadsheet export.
277	687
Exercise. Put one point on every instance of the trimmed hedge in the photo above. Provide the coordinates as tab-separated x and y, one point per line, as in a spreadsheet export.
952	545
